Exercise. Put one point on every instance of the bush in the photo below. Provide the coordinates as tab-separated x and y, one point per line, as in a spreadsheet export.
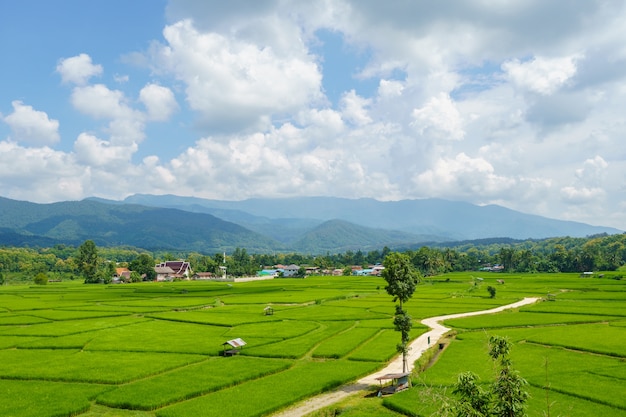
492	291
41	279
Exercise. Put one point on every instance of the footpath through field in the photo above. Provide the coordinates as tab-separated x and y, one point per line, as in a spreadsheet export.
417	347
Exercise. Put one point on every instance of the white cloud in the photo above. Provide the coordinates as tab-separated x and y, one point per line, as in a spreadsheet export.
542	75
126	124
236	82
39	174
472	178
95	152
515	103
78	69
159	101
32	126
439	118
354	108
100	102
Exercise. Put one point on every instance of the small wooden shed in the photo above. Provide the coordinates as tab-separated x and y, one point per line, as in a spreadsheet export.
232	347
399	382
269	311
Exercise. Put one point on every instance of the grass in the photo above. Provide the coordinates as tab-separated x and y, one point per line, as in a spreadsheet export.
273	392
189	382
99	351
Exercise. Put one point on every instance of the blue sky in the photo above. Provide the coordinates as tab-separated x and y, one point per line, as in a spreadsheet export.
509	102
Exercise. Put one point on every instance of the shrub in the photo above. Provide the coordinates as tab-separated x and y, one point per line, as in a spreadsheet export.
41	279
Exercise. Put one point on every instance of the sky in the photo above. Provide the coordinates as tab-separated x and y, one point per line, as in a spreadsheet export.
520	103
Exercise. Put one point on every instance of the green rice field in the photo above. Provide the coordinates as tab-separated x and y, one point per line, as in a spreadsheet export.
153	349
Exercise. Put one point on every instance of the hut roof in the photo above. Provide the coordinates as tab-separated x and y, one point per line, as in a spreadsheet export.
238	342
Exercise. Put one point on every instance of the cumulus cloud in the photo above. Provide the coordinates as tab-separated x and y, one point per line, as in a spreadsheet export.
32	126
230	81
39	171
159	101
541	75
354	108
473	178
517	103
95	152
439	118
126	124
78	69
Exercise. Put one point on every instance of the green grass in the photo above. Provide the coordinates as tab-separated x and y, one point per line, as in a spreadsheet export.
82	366
262	396
189	382
155	345
38	398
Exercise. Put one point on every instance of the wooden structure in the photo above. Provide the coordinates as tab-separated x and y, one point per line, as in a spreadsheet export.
232	347
269	311
399	382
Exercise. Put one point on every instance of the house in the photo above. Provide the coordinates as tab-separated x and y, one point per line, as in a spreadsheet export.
179	269
121	275
164	273
203	275
291	270
267	273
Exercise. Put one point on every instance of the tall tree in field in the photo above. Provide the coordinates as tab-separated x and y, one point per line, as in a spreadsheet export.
87	261
402	279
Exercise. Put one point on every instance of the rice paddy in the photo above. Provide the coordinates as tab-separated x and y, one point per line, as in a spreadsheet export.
153	349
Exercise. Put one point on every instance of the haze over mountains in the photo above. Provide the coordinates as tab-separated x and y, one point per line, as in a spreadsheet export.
305	224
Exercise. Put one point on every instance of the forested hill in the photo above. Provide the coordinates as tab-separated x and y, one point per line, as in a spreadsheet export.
442	220
264	226
23	223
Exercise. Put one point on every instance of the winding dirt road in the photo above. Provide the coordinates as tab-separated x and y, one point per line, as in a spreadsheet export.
417	347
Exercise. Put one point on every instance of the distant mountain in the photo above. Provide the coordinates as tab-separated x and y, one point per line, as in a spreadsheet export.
441	219
123	224
312	225
340	236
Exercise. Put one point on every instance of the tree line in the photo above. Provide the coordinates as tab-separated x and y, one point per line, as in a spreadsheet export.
564	254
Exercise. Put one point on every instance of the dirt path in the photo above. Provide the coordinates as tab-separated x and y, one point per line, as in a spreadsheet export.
417	347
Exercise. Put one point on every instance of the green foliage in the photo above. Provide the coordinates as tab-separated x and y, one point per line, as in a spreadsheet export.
402	279
508	395
87	261
474	400
400	276
41	279
492	291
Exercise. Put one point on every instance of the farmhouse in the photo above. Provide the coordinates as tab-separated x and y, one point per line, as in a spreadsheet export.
291	270
172	269
121	274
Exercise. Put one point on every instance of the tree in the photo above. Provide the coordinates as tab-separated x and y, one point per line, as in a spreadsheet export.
41	279
87	261
474	400
508	389
507	397
1	279
143	264
402	279
492	291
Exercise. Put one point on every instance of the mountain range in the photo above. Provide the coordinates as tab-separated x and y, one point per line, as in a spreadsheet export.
304	224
